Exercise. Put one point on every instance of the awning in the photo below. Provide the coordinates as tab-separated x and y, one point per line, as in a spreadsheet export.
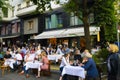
79	32
72	32
9	36
49	34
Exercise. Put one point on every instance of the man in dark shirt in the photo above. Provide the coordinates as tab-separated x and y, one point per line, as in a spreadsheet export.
7	55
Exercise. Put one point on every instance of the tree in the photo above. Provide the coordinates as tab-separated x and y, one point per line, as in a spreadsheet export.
117	10
105	18
81	9
3	7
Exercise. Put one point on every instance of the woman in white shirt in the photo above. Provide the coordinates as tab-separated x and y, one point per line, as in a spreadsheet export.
59	50
65	61
18	60
28	58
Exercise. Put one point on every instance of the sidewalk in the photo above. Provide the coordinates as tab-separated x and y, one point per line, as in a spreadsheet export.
16	76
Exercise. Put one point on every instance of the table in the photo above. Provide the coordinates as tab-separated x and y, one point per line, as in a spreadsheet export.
9	62
74	71
33	65
54	57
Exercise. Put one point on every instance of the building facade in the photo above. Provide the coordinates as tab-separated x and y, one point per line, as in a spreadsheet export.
24	25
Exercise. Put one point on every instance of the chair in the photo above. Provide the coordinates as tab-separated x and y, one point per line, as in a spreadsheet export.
43	72
4	68
70	77
48	71
1	62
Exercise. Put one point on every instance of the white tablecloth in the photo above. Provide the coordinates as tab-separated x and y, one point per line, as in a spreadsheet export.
74	70
33	65
54	57
9	62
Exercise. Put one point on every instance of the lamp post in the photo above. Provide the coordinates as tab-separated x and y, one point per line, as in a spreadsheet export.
118	31
118	26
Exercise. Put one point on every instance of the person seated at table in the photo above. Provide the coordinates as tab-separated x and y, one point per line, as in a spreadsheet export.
28	58
11	52
89	65
45	62
7	56
38	50
77	56
18	59
59	50
65	61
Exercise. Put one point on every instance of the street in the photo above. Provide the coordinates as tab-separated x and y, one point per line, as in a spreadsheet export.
16	76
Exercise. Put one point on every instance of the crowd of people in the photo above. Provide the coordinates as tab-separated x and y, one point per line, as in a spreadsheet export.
15	56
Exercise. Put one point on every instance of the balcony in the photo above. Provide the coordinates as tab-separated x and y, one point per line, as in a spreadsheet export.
26	10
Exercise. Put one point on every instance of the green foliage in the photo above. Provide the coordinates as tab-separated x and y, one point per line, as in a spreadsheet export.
105	18
43	5
117	9
100	59
110	34
105	13
74	6
101	56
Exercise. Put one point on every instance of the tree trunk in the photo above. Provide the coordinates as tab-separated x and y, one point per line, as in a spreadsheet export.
86	26
87	33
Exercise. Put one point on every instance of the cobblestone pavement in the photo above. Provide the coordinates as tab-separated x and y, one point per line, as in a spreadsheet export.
16	76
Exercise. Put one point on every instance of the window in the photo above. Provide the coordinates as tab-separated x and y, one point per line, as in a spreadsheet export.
3	30
14	28
91	18
5	12
48	22
28	3
60	21
74	20
54	21
19	6
18	27
7	29
13	11
1	12
30	25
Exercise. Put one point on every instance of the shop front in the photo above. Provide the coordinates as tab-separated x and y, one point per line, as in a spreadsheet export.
73	37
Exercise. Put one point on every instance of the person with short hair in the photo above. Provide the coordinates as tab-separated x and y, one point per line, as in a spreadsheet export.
89	65
6	57
18	60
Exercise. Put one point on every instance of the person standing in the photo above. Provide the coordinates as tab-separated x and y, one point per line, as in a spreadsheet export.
113	62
